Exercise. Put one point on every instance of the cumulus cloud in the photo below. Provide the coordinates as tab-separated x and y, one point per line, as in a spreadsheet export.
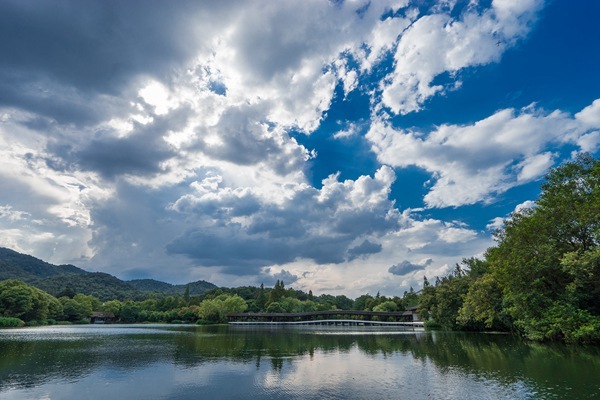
473	163
439	43
320	225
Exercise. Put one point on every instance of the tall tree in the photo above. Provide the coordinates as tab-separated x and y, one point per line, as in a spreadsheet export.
546	260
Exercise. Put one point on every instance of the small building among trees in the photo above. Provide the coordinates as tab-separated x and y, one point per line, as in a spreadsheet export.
99	317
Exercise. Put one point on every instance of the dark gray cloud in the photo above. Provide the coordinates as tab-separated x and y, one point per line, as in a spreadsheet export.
76	61
241	254
247	139
97	45
230	248
406	267
122	156
364	249
46	100
139	153
319	225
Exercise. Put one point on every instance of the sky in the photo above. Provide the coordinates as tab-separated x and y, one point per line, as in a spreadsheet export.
343	147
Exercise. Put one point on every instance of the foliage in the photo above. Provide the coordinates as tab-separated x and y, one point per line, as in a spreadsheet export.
216	310
386	306
112	306
563	322
542	279
73	310
584	270
275	307
10	322
19	300
278	292
482	306
443	302
100	285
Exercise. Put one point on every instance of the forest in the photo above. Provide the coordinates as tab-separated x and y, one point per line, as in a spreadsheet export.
540	281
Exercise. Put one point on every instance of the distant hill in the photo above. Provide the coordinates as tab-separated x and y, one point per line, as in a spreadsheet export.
15	265
197	288
56	279
151	285
98	284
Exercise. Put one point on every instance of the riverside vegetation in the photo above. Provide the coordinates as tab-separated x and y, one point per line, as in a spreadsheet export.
541	280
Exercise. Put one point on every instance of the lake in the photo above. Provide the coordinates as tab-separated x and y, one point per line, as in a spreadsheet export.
232	362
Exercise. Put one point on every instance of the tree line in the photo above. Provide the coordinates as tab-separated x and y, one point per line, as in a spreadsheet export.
23	304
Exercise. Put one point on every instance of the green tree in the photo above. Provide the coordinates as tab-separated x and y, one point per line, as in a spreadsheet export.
529	261
342	302
584	289
261	299
19	300
90	302
275	307
482	307
278	292
410	299
291	304
387	306
543	276
234	304
75	311
186	295
360	303
130	312
112	306
216	310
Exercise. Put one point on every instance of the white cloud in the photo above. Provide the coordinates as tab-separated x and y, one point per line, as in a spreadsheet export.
590	115
495	224
498	222
534	167
438	43
472	163
525	205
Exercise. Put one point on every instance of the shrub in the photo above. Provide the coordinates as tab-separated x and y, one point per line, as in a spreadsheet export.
10	322
432	325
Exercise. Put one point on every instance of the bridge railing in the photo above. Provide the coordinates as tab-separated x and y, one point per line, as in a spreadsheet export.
399	316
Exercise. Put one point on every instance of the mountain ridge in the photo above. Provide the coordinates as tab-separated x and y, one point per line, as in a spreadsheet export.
56	279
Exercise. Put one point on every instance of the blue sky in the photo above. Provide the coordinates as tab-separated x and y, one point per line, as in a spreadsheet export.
346	147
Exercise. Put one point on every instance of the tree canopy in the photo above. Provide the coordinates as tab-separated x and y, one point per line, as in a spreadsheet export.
542	279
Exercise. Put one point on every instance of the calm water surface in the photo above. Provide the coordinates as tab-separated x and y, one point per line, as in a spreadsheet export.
221	362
